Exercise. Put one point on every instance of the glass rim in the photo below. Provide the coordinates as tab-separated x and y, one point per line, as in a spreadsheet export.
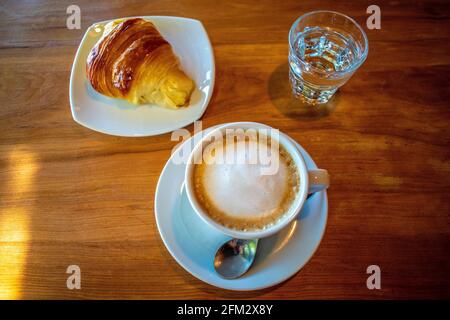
340	73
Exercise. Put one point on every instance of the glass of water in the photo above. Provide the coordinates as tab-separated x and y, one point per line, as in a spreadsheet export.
325	49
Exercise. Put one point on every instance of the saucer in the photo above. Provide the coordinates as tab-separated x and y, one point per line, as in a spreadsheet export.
95	111
193	243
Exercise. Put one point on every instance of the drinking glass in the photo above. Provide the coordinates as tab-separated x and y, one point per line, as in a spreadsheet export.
325	49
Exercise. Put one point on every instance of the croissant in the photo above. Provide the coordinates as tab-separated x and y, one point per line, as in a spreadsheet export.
132	61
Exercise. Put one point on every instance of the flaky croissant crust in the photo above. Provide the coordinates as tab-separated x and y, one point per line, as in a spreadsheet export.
134	62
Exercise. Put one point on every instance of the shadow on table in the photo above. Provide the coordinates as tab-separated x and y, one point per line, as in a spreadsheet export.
279	89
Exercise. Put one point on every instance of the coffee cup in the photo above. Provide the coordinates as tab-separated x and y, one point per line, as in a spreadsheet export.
244	199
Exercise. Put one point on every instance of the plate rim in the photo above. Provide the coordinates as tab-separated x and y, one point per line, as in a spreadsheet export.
226	287
156	132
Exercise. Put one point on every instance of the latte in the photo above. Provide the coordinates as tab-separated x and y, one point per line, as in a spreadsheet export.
233	189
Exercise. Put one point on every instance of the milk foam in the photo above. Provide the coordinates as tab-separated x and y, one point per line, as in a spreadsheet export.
240	189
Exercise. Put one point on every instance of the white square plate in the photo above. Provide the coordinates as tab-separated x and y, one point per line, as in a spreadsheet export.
93	110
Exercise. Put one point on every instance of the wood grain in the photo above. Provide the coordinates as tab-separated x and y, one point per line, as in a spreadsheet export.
69	195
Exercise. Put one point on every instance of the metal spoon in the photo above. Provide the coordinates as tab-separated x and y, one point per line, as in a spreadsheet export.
236	256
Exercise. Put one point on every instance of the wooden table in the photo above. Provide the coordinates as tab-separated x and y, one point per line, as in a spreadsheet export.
69	195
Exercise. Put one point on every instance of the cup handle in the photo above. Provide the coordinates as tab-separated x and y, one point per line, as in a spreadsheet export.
319	180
